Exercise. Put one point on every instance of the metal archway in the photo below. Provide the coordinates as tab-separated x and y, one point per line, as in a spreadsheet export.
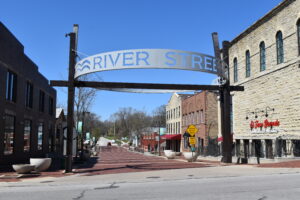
150	58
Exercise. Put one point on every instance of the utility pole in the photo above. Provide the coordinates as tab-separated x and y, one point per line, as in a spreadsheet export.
71	95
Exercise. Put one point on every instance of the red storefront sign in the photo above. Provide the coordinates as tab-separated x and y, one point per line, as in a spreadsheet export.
265	124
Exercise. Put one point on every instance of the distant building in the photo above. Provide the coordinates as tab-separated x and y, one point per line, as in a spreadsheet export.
149	139
173	121
265	60
27	105
60	130
201	110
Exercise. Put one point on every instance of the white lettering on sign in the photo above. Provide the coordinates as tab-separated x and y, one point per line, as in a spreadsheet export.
147	58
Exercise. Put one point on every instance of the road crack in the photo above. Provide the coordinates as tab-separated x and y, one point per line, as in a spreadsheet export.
81	195
262	198
112	186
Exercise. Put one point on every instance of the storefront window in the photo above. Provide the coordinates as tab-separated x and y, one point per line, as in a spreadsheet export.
9	133
40	135
27	132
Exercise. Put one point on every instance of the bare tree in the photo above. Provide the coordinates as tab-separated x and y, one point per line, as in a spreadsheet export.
159	116
128	121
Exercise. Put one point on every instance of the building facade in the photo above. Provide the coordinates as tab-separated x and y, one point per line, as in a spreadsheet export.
265	60
27	105
201	110
173	121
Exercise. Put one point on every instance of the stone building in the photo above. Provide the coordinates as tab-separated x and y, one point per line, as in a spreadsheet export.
27	105
173	121
201	110
265	60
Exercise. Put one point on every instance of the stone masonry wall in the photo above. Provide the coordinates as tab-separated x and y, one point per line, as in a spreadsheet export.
278	86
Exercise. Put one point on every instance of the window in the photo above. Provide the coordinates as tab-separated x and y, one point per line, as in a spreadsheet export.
50	106
27	132
248	67
29	95
41	101
11	86
298	35
201	116
186	142
51	139
9	133
279	47
262	56
235	70
40	135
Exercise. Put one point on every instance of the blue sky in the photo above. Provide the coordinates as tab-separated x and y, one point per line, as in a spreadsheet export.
108	25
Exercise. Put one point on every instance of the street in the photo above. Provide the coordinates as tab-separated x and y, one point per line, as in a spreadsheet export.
121	174
224	182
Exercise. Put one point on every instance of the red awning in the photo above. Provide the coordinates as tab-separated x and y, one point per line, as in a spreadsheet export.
171	137
220	139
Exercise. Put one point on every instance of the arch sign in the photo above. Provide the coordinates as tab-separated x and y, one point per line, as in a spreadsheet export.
147	58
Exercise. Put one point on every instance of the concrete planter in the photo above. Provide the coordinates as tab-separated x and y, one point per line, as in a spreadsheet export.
41	164
23	168
190	156
178	153
170	154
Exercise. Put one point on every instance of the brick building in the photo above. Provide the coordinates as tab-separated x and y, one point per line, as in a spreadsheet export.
27	105
201	110
265	60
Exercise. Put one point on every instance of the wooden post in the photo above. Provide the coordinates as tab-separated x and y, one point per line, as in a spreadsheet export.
224	93
71	96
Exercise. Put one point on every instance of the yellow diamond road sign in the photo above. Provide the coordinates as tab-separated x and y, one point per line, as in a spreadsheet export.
192	130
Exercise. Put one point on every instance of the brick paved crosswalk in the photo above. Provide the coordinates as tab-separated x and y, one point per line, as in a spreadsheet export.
119	160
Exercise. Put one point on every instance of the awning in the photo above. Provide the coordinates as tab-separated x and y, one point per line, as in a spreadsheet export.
220	139
171	137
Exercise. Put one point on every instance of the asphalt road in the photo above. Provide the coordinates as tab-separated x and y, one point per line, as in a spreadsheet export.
242	182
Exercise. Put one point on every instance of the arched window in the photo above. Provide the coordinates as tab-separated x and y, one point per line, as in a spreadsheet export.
262	56
298	35
248	67
279	47
235	70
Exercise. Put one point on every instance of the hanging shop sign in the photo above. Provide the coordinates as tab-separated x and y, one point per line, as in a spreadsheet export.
264	127
147	58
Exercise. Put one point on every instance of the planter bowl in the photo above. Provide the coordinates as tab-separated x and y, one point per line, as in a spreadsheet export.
23	168
190	156
178	153
170	154
41	164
